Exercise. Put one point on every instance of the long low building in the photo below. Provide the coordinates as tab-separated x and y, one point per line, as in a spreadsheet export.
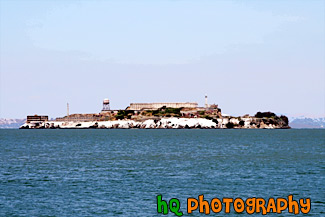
142	106
31	118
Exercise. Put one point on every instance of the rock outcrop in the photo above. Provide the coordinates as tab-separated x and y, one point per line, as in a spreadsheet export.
169	123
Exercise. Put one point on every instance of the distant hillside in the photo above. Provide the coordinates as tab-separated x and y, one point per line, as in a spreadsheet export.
307	122
11	123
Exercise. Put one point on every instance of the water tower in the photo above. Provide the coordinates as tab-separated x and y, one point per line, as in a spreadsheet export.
106	106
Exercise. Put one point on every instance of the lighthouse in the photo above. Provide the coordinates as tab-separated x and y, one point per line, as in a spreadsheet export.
206	101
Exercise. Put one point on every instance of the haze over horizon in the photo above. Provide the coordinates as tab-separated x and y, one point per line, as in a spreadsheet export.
247	56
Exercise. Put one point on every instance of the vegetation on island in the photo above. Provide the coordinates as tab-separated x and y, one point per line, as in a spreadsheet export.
212	113
164	111
124	114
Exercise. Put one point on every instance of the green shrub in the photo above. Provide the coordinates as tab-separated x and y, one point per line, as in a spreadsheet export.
119	117
264	114
285	119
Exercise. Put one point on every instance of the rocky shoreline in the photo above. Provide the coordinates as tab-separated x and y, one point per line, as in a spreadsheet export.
167	123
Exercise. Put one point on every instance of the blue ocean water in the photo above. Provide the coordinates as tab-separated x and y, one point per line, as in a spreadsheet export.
120	172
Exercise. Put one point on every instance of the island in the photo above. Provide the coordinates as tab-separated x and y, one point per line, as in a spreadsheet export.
186	115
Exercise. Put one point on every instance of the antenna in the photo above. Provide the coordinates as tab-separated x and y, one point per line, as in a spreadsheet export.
67	109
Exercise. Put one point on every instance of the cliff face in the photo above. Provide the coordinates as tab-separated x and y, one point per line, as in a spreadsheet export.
166	118
170	123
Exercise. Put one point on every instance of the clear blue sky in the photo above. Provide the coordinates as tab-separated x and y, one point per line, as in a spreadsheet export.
248	56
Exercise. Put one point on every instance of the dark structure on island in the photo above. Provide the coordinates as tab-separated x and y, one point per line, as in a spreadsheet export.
36	118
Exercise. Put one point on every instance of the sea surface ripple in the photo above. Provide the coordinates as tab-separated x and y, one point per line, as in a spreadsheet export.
120	172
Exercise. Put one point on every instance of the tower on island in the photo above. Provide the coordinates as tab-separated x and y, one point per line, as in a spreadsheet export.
106	106
206	101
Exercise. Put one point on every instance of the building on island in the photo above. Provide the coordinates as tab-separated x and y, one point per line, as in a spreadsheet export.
153	106
141	111
37	118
